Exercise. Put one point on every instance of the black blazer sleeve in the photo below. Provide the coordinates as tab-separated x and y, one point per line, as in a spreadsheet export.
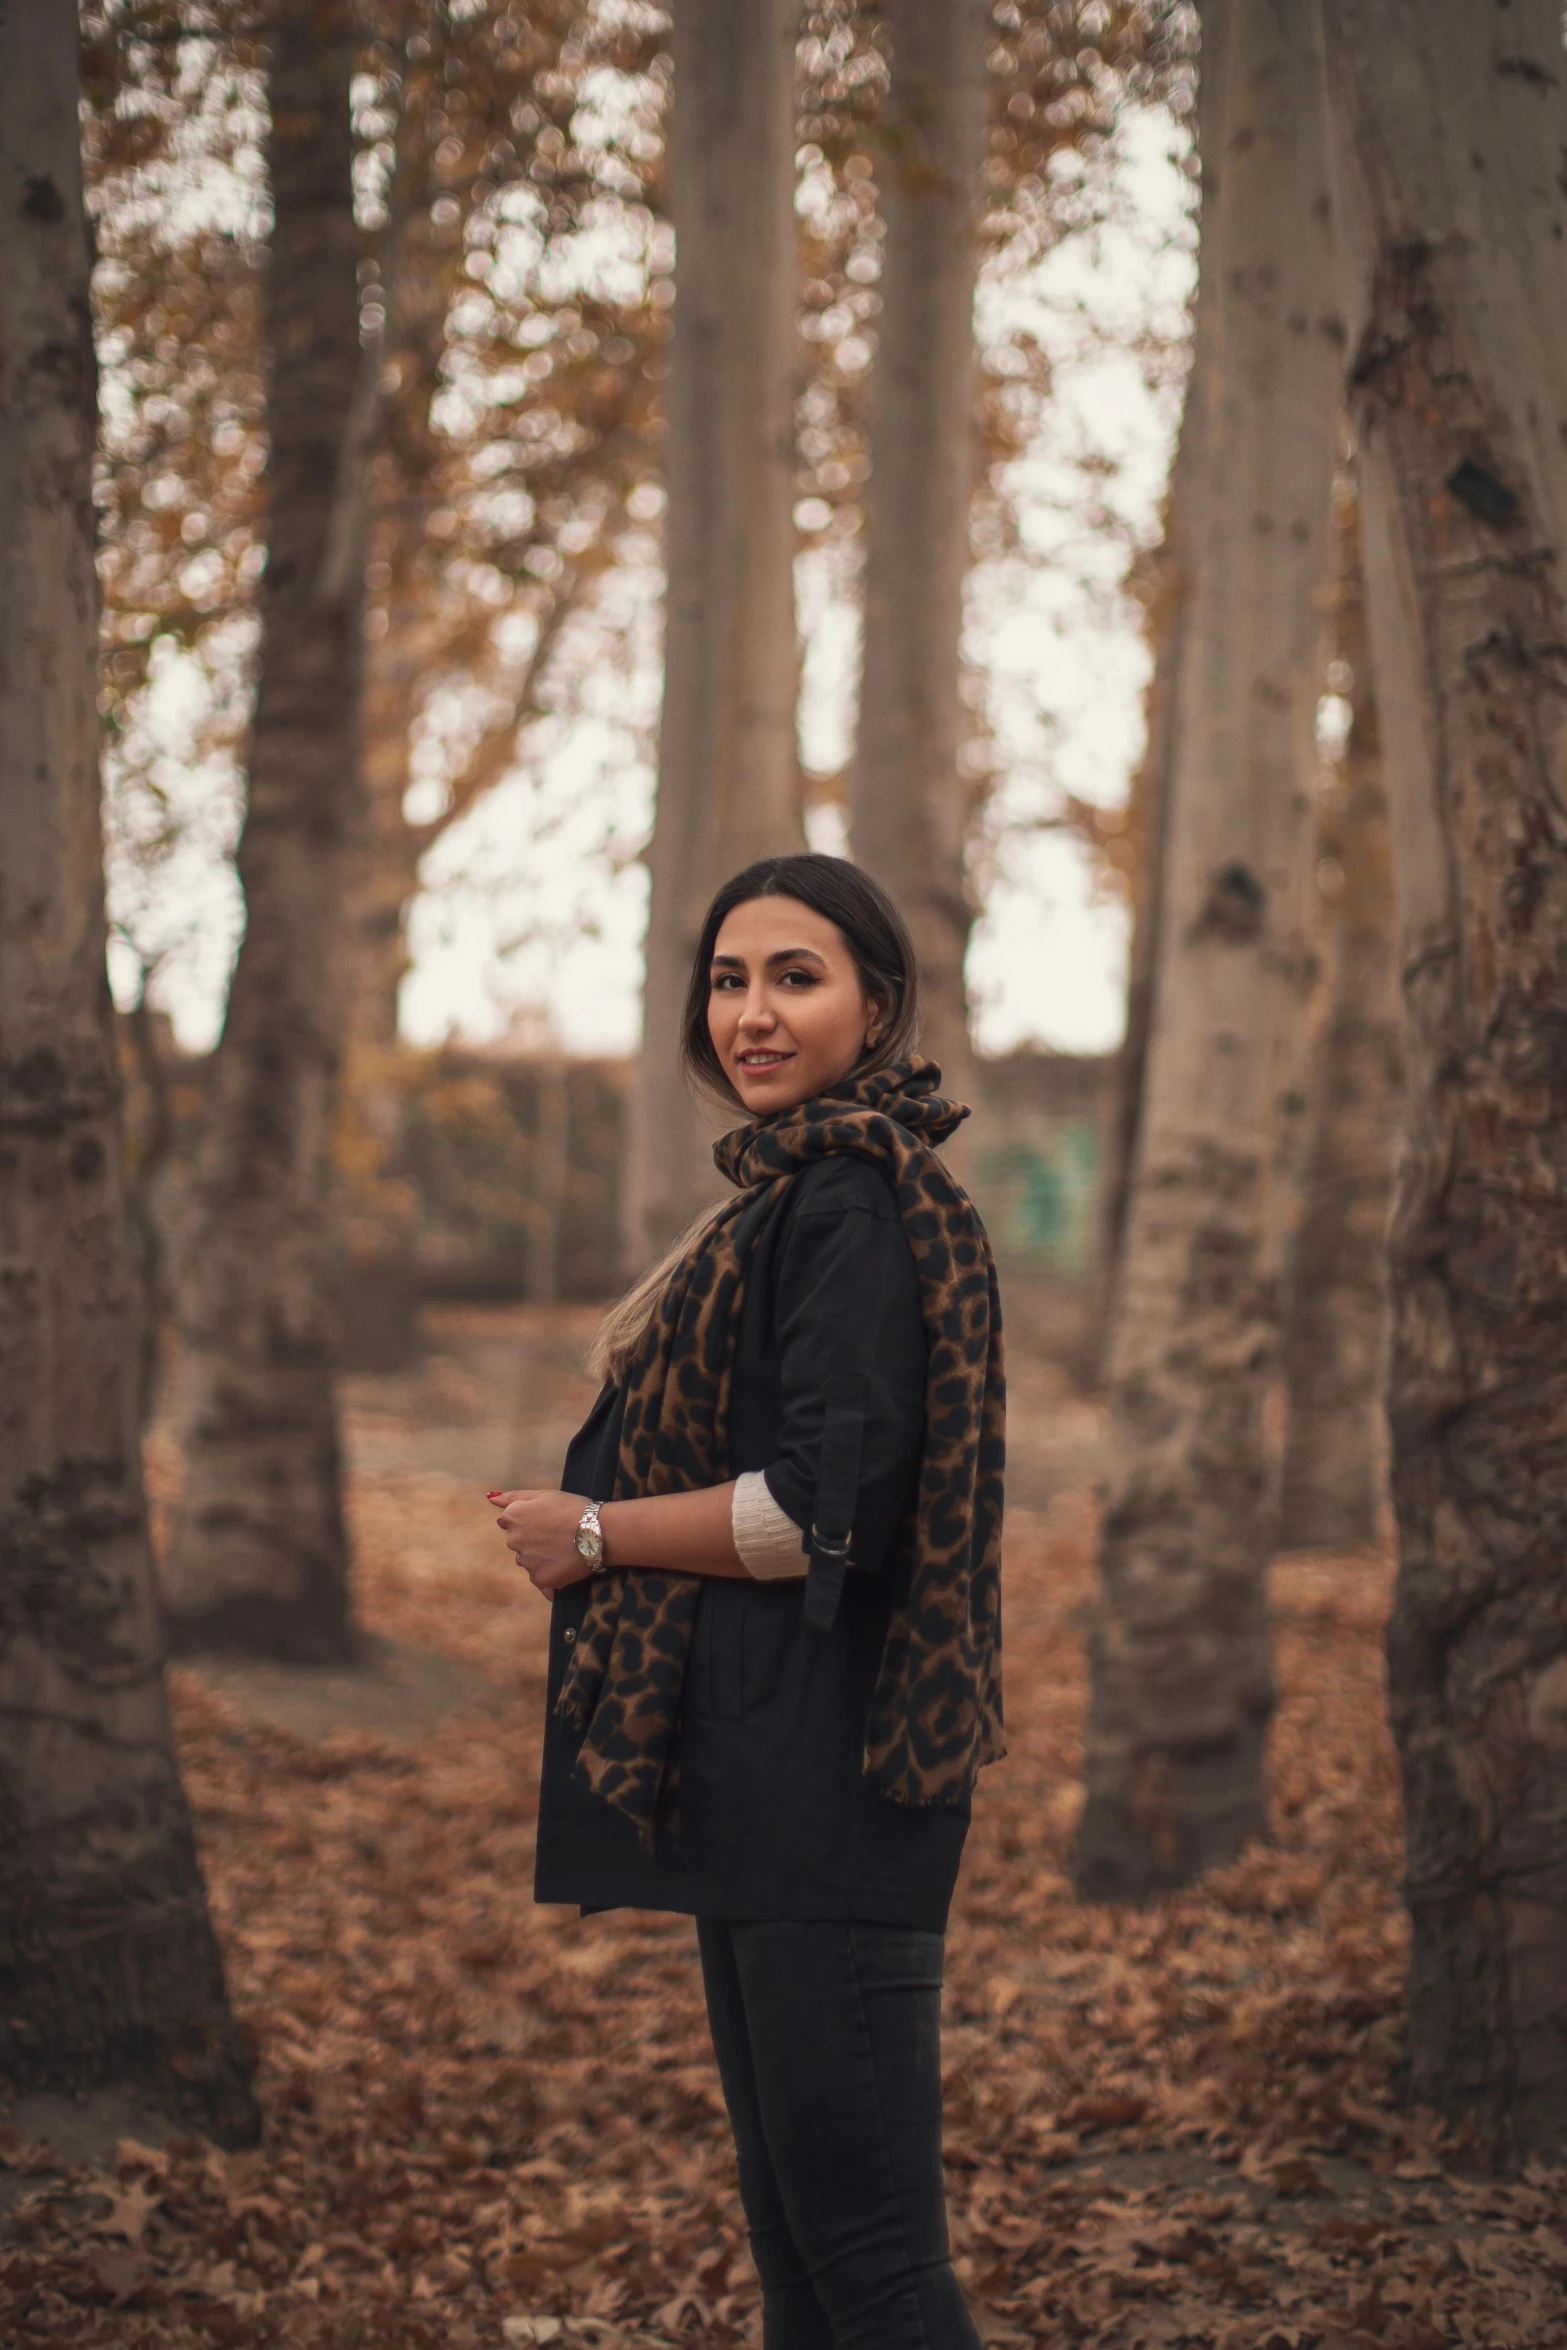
847	1301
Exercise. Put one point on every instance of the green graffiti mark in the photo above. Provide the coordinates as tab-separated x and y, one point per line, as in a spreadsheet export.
1042	1197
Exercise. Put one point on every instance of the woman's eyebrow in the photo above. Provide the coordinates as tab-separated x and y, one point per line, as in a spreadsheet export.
784	955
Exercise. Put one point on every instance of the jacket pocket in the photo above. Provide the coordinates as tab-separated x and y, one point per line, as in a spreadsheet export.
718	1653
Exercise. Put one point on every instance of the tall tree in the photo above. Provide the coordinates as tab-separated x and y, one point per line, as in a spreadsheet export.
1335	1337
524	477
908	807
108	1967
258	1552
1182	1684
1166	604
487	156
727	762
1161	577
1452	122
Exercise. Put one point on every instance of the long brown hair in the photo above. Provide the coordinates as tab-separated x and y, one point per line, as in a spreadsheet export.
883	954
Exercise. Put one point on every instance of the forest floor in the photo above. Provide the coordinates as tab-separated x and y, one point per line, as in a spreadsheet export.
493	2124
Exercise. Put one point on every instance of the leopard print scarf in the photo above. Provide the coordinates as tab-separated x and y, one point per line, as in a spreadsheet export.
936	1713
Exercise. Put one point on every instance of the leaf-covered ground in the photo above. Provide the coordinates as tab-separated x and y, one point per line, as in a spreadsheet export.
489	2123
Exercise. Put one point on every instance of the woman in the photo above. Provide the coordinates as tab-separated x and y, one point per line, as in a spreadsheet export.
808	1391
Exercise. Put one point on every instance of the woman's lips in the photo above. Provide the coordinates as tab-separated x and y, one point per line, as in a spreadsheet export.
761	1063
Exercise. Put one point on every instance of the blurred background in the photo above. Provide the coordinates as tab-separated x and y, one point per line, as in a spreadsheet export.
511	211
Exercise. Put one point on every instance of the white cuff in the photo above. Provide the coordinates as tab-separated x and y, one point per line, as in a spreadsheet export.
770	1544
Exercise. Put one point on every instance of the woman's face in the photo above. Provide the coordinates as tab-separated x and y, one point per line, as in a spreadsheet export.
785	1009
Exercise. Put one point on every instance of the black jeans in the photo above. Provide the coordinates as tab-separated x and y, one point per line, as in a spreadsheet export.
828	2039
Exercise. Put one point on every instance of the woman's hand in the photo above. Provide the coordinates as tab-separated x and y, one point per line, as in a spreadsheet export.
540	1530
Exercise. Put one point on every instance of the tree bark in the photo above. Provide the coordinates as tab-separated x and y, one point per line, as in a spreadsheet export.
727	763
909	802
1149	810
1335	1340
1451	123
146	1159
1167	610
258	1556
108	1968
1182	1685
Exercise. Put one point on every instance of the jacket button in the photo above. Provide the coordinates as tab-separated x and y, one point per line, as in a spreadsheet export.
568	1635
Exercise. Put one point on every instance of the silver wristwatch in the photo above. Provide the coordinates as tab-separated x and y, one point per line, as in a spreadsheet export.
589	1538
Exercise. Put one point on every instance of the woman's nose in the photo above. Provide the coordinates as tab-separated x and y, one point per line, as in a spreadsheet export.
758	1012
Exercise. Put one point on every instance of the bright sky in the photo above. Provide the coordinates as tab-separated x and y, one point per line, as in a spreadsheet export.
534	903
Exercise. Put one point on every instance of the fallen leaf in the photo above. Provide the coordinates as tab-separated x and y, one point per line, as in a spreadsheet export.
1292	2174
120	2276
129	2210
1105	2113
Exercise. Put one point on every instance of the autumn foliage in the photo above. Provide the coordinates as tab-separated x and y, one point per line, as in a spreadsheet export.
491	2123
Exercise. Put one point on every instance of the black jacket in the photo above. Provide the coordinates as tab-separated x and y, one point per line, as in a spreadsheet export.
775	1820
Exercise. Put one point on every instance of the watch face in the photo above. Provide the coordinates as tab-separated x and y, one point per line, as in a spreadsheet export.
589	1544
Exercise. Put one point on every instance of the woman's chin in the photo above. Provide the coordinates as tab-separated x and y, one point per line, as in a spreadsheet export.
767	1091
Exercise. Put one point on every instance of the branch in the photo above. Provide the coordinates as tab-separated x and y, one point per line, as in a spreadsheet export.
488	760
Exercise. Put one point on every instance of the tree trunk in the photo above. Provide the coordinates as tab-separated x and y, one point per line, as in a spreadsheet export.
1182	1684
109	1972
376	1204
150	1141
258	1557
727	760
1335	1340
395	848
909	803
550	1171
410	640
1149	812
1452	124
1166	604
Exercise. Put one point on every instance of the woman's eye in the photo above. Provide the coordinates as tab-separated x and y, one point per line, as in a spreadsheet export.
799	978
723	982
